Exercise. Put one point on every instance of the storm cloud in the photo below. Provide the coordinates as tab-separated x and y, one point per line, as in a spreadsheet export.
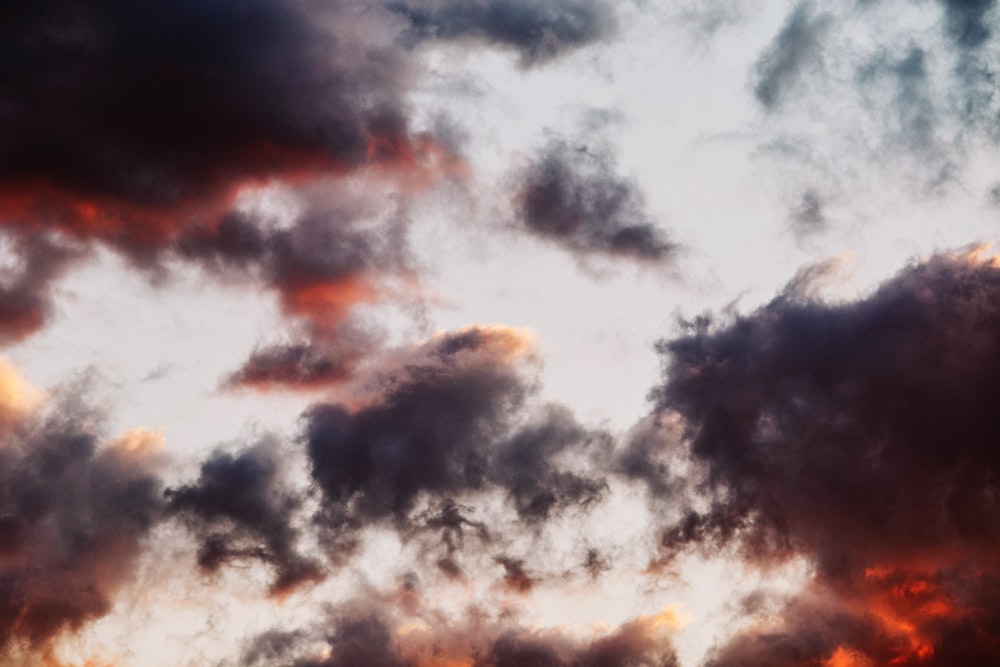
862	437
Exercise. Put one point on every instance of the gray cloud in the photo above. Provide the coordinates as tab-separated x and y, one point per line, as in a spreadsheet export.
73	515
794	53
538	32
859	436
570	195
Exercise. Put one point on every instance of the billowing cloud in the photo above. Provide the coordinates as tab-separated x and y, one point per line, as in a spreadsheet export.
454	418
25	292
74	511
538	32
860	436
118	118
571	195
242	508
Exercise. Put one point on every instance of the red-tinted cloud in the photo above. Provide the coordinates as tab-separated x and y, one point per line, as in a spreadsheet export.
861	436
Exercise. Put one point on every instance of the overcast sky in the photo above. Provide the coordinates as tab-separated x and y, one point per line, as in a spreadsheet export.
494	333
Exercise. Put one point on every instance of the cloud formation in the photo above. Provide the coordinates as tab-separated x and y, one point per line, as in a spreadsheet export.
242	508
453	418
571	195
26	288
537	32
362	635
259	90
860	436
73	514
795	51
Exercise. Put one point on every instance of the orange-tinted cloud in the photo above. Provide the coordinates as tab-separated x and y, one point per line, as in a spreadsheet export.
73	515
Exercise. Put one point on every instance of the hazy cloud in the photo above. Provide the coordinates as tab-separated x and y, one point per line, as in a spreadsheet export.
795	51
538	32
571	195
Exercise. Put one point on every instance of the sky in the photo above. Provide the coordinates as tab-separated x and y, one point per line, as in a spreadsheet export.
495	333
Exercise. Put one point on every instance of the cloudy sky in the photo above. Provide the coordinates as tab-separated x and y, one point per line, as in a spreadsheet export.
495	333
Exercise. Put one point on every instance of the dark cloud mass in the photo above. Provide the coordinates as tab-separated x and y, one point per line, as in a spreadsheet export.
293	366
453	419
320	265
863	437
570	195
243	508
538	31
135	127
26	289
116	111
73	514
967	22
366	636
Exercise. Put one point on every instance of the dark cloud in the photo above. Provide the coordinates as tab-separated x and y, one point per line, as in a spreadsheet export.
297	366
452	521
356	638
538	32
26	289
117	116
633	643
321	265
360	635
136	129
862	437
967	22
454	418
796	49
73	515
242	508
570	195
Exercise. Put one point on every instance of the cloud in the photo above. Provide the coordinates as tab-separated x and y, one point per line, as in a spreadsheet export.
860	436
142	130
73	515
242	508
455	417
321	264
117	115
794	52
570	195
299	366
26	289
966	21
537	32
359	634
